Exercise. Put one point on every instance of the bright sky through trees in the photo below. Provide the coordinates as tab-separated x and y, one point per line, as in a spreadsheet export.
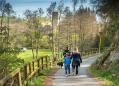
20	6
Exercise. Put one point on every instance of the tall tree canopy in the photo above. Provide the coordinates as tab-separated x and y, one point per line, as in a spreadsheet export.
108	7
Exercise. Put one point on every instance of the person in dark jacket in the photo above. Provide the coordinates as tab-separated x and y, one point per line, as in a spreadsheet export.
66	51
76	57
67	61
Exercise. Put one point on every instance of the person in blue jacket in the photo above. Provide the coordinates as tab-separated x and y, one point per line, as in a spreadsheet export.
76	60
67	61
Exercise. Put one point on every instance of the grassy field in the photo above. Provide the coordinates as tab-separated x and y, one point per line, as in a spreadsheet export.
28	56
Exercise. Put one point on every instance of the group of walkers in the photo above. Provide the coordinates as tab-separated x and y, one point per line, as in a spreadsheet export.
76	56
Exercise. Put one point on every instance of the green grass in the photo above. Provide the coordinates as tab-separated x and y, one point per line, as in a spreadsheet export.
38	81
106	75
27	55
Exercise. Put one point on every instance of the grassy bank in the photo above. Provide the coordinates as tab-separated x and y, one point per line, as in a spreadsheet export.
40	79
108	73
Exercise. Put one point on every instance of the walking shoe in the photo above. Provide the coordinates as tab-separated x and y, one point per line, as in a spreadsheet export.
73	73
66	75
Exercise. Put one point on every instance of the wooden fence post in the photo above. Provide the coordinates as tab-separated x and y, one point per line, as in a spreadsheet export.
103	48
100	49
38	66
19	79
5	84
50	62
84	52
34	75
58	55
46	61
90	52
25	73
30	72
56	59
81	53
97	49
42	64
23	61
61	57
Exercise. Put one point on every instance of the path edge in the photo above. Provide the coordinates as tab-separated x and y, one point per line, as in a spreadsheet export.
97	79
50	80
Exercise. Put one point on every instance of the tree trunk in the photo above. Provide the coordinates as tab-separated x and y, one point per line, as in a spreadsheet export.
8	33
59	40
53	41
32	48
74	26
59	35
67	36
37	45
71	41
1	28
38	42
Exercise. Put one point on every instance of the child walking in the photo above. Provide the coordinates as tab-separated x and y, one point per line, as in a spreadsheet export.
67	61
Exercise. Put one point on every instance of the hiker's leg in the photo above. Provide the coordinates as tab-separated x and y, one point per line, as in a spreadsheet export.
69	68
73	68
76	69
65	69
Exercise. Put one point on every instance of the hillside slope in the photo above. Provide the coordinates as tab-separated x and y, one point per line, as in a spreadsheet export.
107	66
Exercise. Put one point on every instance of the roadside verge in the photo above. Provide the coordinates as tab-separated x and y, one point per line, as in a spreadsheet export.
97	79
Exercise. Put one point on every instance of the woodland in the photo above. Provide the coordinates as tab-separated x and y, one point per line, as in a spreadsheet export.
76	28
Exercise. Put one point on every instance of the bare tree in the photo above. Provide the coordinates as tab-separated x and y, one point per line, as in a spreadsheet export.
50	10
9	11
35	24
60	10
40	13
75	2
2	9
83	31
29	17
68	17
